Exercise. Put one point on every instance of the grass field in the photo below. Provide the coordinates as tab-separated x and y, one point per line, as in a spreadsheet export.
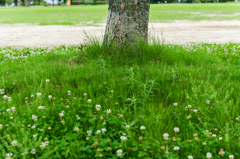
91	15
148	103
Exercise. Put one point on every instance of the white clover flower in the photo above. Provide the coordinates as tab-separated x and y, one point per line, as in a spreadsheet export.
33	151
9	99
119	152
98	107
76	128
1	126
165	136
14	143
89	100
5	97
9	154
123	138
85	94
237	118
11	117
78	118
195	110
108	111
98	132
40	107
104	130
32	96
89	132
214	135
47	80
34	118
176	129
209	155
231	156
127	126
112	91
220	138
39	94
61	114
50	97
208	101
69	91
176	148
44	145
189	106
175	104
33	127
67	106
49	128
35	135
142	127
221	152
190	157
13	108
8	110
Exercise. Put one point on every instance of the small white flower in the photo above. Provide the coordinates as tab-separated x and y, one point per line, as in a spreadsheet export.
9	154
9	99
208	101
5	97
112	91
33	151
108	111
195	110
189	106
165	136
61	114
231	157
209	155
119	152
190	157
123	138
32	96
13	108
40	107
76	128
49	128
50	97
33	127
67	106
34	118
89	100
221	152
11	117
127	126
14	143
8	110
69	91
176	148
104	130
39	94
47	80
89	132
78	118
35	135
142	127
98	132
214	135
220	138
98	107
175	104
1	126
176	129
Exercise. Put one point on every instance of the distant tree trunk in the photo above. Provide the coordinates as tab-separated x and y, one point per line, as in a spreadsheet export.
127	20
19	2
27	3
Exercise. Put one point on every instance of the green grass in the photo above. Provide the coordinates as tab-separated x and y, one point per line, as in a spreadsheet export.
141	85
91	15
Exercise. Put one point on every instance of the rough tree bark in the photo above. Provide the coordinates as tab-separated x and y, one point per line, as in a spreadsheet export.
19	2
127	20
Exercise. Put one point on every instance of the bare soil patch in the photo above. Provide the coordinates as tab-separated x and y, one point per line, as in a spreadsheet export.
177	32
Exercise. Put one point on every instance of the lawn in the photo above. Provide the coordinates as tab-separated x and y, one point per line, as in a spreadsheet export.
92	15
161	101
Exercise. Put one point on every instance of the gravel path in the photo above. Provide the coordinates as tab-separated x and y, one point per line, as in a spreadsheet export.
178	32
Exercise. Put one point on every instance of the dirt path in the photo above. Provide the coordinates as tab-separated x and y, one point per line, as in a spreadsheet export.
178	32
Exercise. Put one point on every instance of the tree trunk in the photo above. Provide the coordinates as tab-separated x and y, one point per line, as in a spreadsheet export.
19	2
27	3
127	20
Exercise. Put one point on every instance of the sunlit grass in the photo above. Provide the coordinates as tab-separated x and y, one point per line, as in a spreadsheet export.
146	103
92	15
